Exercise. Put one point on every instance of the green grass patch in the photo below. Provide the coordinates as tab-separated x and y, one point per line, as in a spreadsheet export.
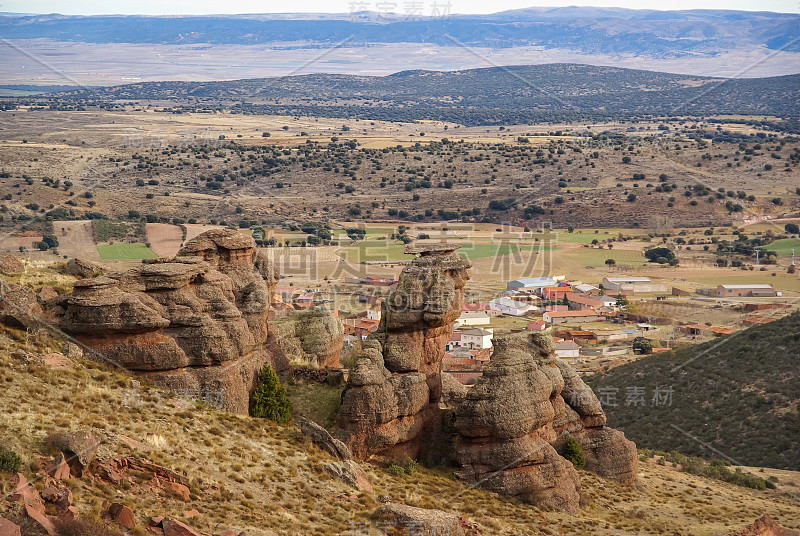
315	401
388	250
125	251
597	257
784	247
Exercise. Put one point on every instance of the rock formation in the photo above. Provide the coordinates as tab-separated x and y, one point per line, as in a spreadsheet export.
196	323
345	468
392	398
421	521
313	336
84	268
11	265
19	307
763	526
515	420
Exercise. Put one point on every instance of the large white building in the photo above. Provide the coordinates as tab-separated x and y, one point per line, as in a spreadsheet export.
473	318
567	349
531	283
632	284
507	306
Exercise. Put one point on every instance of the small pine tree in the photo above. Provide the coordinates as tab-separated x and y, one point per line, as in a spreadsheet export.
269	399
574	453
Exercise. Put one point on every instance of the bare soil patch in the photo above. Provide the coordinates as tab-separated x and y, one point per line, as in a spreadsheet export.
165	239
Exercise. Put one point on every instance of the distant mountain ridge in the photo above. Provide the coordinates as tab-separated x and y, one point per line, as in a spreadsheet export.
510	92
585	29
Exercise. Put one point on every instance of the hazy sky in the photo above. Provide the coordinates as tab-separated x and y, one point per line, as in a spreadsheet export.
424	7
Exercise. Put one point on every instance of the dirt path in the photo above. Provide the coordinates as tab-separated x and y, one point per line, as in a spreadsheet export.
164	238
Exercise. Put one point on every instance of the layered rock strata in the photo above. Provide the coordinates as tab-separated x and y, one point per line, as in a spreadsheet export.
196	323
513	424
390	406
313	336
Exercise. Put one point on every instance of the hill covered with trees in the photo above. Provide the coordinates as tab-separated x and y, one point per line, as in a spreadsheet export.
734	398
489	96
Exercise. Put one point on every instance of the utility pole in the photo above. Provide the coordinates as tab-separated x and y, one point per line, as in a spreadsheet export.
730	251
792	257
757	253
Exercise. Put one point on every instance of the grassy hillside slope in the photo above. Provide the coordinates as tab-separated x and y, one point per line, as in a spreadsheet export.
736	398
265	479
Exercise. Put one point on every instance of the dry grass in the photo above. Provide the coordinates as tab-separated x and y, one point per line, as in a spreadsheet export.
264	478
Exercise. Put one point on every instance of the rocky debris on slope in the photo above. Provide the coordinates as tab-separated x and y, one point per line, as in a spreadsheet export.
19	307
11	265
173	527
86	269
47	294
349	472
44	521
324	440
763	526
7	528
79	449
345	468
390	406
196	323
312	336
25	494
514	422
58	467
60	497
122	515
422	521
56	361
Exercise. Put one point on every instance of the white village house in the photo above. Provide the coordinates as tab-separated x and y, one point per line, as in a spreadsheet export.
473	318
477	339
632	284
510	307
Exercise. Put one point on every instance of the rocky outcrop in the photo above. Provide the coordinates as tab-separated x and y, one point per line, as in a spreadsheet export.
7	528
763	526
78	448
345	468
514	422
390	406
11	265
196	323
86	269
453	391
312	336
19	307
422	521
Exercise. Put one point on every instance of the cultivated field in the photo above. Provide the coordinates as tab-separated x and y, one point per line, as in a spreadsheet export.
125	252
164	239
